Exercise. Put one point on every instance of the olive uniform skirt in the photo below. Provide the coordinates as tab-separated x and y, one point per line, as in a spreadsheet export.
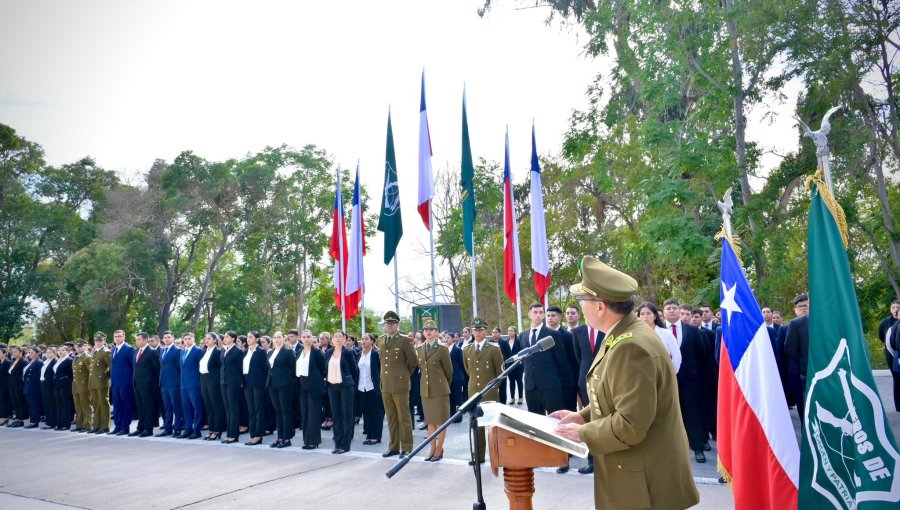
437	409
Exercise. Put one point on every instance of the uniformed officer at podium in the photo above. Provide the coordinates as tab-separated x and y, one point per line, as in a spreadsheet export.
633	425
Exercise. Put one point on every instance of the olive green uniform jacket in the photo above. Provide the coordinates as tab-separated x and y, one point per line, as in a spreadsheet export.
633	425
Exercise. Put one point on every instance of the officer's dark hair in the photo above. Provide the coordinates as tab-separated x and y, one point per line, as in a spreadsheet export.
896	302
573	307
555	308
242	340
800	298
496	330
535	305
69	345
294	332
231	334
2	346
696	312
620	307
671	301
687	307
167	332
254	333
154	336
143	336
656	318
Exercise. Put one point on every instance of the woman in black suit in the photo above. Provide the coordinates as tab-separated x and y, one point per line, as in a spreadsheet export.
62	388
241	344
342	374
211	387
311	372
5	400
516	376
47	399
231	380
16	386
281	389
368	390
266	343
255	369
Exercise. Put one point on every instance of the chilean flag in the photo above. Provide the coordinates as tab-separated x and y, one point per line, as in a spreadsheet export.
426	178
338	250
512	268
757	446
538	229
355	277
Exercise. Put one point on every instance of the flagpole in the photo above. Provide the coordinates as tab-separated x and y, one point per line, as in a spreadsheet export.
518	306
396	287
431	239
474	291
342	278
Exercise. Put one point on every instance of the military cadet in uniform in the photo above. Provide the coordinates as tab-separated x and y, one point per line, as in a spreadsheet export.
484	362
437	372
633	424
398	361
98	384
81	369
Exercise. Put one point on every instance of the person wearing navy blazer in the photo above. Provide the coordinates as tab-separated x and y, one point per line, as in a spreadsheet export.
62	388
211	387
459	382
47	403
31	387
18	359
255	368
545	372
170	386
231	379
280	383
342	374
368	390
121	378
191	398
311	373
146	384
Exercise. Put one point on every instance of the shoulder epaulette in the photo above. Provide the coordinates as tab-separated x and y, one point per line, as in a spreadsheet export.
615	340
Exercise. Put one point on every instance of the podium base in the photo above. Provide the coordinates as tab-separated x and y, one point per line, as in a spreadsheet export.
519	486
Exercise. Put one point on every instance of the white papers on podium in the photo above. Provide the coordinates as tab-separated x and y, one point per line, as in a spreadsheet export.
537	427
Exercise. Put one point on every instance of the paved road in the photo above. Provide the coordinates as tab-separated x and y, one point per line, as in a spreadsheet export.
54	470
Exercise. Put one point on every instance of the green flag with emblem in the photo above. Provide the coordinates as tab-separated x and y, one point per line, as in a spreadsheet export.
849	457
389	220
467	183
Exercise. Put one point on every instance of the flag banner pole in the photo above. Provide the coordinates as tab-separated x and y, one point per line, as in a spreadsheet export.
431	239
362	309
518	306
396	287
474	290
342	282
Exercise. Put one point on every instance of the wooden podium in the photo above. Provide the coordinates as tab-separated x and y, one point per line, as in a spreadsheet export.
518	456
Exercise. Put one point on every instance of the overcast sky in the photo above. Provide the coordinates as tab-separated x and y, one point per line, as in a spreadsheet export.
130	82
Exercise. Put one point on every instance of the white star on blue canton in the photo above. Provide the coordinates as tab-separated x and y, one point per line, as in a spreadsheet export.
728	302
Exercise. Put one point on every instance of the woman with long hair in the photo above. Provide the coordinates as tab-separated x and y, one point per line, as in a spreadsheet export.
281	389
323	345
368	390
256	371
516	377
342	374
651	316
311	373
232	380
211	387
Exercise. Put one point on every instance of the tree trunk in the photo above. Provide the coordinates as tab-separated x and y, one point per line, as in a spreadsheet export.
207	280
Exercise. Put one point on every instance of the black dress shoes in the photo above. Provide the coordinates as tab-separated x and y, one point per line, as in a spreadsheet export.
183	435
48	427
586	470
163	434
338	451
276	444
390	453
561	470
403	454
285	444
31	426
136	433
699	456
706	446
195	435
122	433
145	433
114	432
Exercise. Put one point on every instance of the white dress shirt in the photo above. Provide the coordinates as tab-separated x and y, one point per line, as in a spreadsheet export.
204	362
58	363
365	372
247	361
274	355
678	327
44	368
303	364
671	345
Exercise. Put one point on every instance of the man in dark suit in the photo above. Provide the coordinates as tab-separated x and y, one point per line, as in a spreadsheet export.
31	387
191	397
121	377
293	340
62	388
146	385
690	381
47	403
170	386
588	342
709	373
796	346
544	371
459	380
570	377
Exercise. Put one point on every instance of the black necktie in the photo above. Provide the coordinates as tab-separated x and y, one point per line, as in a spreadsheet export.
533	337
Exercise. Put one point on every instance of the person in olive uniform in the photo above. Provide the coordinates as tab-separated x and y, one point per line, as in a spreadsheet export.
484	362
398	361
98	384
81	394
437	372
633	424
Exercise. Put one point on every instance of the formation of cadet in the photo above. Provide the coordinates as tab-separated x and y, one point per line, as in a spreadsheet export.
398	362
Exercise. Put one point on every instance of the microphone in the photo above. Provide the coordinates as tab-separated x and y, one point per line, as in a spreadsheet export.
542	345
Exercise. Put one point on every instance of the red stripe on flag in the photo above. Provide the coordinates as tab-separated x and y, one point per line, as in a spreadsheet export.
424	213
509	260
541	284
758	480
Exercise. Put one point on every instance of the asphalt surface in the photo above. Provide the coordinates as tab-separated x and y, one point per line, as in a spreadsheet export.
55	470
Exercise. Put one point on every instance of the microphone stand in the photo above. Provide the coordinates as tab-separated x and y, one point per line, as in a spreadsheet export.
469	406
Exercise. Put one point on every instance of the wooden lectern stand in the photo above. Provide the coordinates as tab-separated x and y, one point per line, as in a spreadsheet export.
518	456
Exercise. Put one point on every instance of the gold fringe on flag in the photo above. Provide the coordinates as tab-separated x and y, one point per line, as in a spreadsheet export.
828	197
734	241
724	472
